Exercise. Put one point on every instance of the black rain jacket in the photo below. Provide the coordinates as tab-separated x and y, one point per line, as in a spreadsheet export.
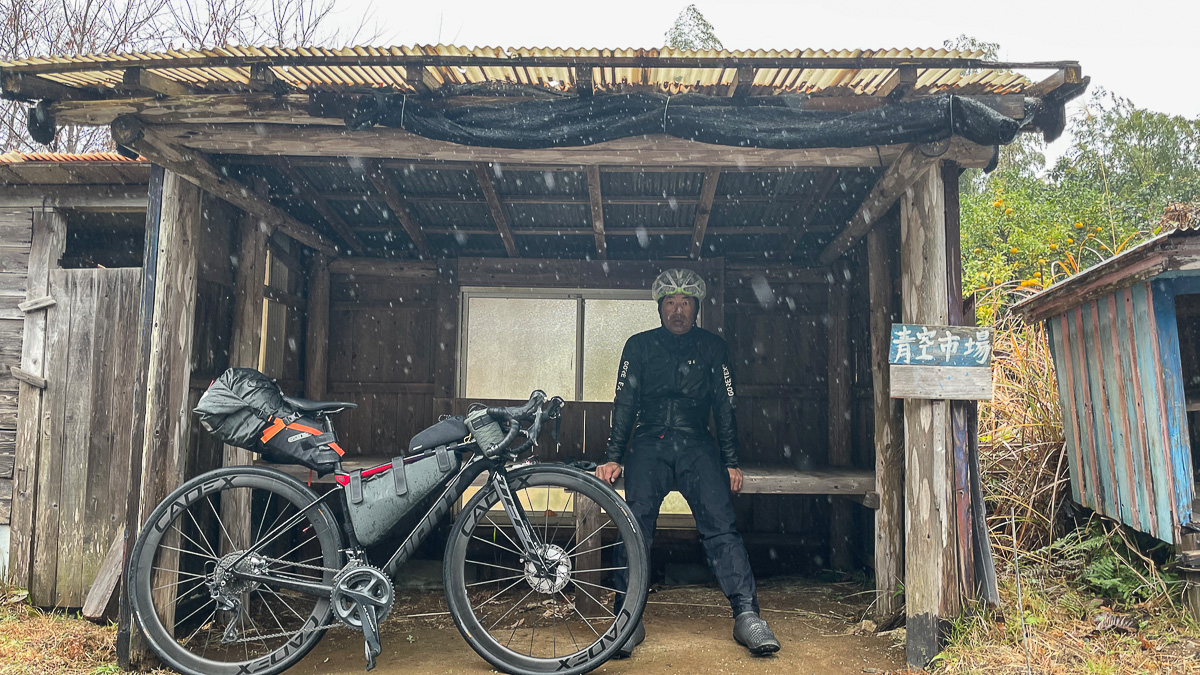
669	383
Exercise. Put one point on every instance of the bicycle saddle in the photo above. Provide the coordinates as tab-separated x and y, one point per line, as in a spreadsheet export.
306	405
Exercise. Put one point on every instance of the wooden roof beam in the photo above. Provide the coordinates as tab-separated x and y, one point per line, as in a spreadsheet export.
584	85
708	191
26	87
1071	75
493	201
199	169
398	206
303	188
743	82
812	202
597	204
421	79
902	173
899	83
142	81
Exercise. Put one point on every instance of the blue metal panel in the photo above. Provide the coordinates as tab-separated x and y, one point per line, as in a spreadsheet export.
1087	434
1174	401
1148	376
1099	416
1137	436
1115	412
1068	411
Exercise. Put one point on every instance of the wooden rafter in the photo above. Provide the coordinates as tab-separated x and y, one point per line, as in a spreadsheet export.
199	169
584	85
607	200
398	206
421	79
594	198
899	83
812	203
743	82
493	202
1056	80
303	188
902	173
140	80
708	191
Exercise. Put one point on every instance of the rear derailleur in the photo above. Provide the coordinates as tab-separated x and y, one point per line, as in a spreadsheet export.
362	598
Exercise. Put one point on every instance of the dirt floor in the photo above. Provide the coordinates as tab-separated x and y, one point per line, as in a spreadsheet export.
688	631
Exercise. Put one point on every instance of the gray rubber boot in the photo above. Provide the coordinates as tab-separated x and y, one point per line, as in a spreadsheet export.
753	633
639	635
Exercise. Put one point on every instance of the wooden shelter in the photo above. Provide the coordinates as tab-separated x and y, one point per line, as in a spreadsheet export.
375	244
1125	335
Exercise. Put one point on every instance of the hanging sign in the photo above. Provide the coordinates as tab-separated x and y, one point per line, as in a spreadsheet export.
941	362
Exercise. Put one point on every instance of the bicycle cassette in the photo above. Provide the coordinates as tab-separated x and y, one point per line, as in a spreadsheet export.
359	586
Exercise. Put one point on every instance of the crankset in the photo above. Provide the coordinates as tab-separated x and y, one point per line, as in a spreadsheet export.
362	598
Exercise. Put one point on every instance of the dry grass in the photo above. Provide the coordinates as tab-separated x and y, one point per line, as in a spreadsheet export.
35	642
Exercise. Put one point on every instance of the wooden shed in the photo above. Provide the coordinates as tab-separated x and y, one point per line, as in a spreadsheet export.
365	223
1125	336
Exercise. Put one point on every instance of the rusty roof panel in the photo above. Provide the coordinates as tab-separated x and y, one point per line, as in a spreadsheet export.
666	70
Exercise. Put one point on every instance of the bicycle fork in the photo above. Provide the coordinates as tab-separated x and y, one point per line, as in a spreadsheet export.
531	544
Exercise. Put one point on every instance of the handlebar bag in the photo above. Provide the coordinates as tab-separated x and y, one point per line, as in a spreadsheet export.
446	432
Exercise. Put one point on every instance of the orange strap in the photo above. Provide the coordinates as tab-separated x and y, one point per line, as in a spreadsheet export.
277	426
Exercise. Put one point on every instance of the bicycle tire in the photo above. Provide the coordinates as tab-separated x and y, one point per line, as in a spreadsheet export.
186	518
583	657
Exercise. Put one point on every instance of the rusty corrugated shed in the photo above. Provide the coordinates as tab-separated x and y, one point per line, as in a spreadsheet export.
849	71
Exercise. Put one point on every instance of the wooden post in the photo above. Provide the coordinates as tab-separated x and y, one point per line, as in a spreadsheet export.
49	241
316	344
131	645
930	569
841	525
587	520
1191	593
889	429
445	354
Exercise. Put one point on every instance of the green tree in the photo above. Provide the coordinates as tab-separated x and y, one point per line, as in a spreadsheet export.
692	31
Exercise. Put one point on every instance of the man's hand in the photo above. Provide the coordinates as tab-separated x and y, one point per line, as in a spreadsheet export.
735	479
610	472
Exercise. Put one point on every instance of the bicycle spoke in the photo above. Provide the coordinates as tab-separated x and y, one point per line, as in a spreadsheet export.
266	510
499	567
496	595
267	604
495	581
568	623
285	604
510	609
200	531
285	555
197	611
586	583
566	509
198	628
492	543
598	603
501	531
182	574
581	541
221	524
600	569
593	550
211	555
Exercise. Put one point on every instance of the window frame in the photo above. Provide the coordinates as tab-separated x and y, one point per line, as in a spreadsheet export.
579	295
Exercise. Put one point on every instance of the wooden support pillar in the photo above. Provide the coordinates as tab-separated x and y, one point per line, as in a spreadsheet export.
316	344
445	357
841	525
49	241
1190	543
931	586
162	421
889	428
587	521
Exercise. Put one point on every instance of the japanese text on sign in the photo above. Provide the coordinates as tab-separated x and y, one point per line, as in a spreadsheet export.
916	345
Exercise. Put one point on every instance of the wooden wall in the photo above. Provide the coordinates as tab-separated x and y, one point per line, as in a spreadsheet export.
15	236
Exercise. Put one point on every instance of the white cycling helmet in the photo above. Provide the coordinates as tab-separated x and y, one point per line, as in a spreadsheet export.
675	281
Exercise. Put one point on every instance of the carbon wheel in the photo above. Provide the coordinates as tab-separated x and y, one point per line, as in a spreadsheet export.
198	615
558	614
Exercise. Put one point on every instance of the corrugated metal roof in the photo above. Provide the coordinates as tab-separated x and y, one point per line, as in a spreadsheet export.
14	157
826	72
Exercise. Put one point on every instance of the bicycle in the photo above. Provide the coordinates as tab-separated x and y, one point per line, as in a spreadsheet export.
255	563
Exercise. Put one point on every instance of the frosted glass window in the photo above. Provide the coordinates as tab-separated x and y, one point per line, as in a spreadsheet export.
516	345
607	324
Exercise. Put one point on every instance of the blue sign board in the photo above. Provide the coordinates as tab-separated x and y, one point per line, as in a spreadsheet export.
957	346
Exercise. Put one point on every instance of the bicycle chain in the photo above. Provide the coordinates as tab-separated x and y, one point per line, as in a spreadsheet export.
327	626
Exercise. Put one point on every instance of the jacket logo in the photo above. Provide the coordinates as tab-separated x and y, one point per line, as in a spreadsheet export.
621	377
728	380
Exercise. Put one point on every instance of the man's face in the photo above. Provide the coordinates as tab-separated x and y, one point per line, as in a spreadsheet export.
678	313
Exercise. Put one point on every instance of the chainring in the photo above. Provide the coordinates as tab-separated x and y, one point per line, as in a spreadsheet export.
358	583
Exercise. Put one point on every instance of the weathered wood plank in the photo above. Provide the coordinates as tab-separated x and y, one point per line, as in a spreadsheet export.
36	304
930	571
889	428
77	427
49	512
841	525
596	202
899	177
493	201
941	382
587	520
105	583
28	378
48	236
316	346
398	205
708	191
407	271
306	191
641	151
197	168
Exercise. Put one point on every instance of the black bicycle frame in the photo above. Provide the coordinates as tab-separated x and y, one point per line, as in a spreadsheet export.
453	491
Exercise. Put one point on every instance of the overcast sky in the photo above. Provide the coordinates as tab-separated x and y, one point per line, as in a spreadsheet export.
1141	50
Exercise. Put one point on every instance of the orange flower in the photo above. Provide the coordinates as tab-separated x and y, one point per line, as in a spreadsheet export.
1070	240
1053	247
998	203
1008	212
1014	250
1079	226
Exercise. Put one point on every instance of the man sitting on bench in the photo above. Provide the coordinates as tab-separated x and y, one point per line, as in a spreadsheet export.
669	381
